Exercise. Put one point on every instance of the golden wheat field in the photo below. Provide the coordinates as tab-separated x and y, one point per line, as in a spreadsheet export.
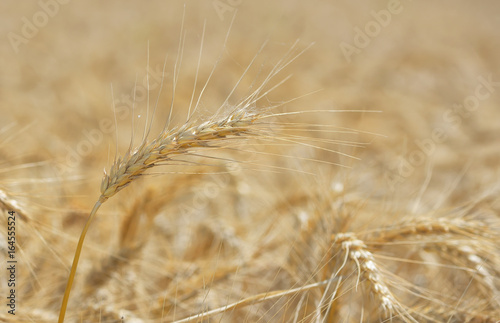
264	161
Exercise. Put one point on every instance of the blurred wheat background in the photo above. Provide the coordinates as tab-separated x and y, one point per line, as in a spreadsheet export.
391	213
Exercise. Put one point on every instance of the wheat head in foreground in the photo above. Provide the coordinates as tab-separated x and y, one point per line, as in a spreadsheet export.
161	149
239	122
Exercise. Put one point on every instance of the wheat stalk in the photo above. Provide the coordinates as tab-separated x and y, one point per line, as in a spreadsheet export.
255	299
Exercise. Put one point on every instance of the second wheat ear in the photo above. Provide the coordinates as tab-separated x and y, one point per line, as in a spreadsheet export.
161	149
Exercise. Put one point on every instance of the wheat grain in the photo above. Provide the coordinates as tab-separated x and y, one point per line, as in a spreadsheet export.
463	244
174	142
356	251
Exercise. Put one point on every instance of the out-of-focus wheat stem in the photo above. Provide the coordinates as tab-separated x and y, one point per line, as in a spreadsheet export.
255	299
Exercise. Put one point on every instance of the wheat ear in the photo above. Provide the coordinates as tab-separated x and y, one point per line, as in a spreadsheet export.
240	121
356	251
160	150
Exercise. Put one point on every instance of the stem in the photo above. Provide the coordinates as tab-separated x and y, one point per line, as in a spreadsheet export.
72	273
255	299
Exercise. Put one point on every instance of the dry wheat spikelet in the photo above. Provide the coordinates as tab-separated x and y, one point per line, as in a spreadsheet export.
161	149
131	166
356	251
464	243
